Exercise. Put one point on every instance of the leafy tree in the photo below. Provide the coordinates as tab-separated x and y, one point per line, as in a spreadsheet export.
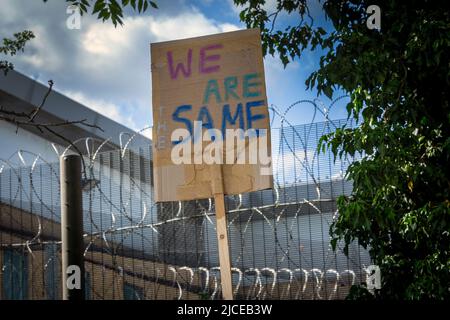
12	46
111	9
398	81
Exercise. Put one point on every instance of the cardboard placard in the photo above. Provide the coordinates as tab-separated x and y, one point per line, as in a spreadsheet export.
219	80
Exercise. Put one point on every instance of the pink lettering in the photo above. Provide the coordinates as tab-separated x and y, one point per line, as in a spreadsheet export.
186	71
204	58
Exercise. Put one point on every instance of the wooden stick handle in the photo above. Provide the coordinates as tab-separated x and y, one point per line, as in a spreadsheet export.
222	233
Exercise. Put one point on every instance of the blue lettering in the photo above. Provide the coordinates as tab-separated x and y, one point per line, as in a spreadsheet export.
226	117
205	117
251	118
176	117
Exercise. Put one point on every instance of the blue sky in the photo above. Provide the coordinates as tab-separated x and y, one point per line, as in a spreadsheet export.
108	69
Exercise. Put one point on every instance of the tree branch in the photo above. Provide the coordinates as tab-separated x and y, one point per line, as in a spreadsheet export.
36	111
25	119
28	119
43	125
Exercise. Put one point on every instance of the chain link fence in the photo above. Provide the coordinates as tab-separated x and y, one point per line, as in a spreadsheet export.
138	249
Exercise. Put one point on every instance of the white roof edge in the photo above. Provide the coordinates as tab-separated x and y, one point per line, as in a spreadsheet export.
32	92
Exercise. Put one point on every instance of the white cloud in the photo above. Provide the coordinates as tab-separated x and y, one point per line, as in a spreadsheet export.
51	60
147	132
300	162
104	108
105	40
270	6
10	12
227	27
193	24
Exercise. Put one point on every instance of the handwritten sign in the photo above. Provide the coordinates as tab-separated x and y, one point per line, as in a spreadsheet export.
210	83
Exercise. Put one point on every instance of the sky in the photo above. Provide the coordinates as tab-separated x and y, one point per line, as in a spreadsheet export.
108	69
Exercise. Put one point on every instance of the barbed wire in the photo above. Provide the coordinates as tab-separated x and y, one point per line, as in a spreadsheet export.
119	208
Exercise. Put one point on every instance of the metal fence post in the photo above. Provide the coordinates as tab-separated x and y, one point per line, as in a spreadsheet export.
72	228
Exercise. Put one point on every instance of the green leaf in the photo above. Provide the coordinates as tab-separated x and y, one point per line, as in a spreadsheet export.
328	91
99	5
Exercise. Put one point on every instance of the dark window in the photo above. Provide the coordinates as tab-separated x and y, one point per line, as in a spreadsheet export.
15	275
131	292
52	272
87	286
